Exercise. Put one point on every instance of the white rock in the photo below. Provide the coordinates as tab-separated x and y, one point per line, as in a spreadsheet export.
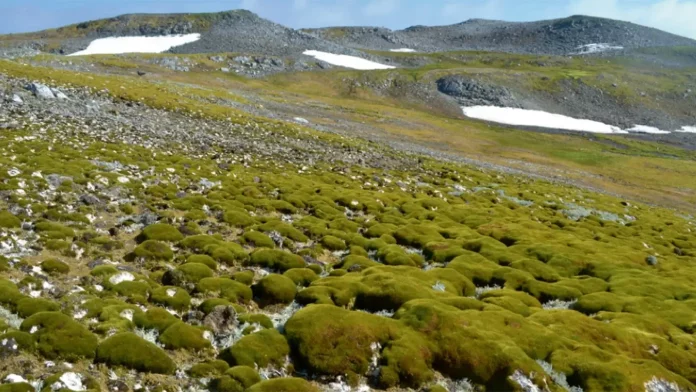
14	172
123	180
34	329
127	314
17	99
41	91
72	381
121	277
14	378
171	293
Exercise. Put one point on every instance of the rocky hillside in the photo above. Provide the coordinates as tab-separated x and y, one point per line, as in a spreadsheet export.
559	36
233	31
144	249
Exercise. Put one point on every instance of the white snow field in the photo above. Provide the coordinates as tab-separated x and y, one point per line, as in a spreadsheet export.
596	48
343	60
402	50
118	45
687	129
647	129
538	118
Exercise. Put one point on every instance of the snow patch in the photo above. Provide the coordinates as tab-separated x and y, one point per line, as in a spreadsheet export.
647	129
537	118
541	119
596	48
687	129
342	60
117	45
402	50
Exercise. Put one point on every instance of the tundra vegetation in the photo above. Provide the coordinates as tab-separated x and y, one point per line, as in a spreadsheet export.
168	264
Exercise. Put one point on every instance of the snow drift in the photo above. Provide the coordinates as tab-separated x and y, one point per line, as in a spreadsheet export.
117	45
343	60
541	119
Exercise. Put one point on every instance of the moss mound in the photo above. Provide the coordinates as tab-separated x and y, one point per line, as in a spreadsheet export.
17	387
9	221
160	232
203	259
274	289
301	276
180	335
226	288
54	267
153	250
284	385
29	306
59	336
276	260
130	351
260	349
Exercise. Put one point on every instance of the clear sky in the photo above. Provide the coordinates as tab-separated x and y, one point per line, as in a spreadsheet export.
676	16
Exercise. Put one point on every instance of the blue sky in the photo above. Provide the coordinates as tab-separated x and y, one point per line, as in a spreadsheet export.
676	16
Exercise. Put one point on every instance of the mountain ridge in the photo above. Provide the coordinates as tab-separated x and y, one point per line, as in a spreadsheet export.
242	30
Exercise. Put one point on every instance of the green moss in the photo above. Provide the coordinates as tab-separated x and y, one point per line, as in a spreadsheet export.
207	369
276	260
202	259
103	270
285	230
180	335
59	336
53	230
226	384
333	243
153	250
187	273
130	351
283	385
301	276
25	341
17	387
274	289
256	318
160	232
54	267
210	304
246	277
226	288
173	297
334	341
260	349
155	318
238	218
137	291
224	252
318	269
9	221
245	375
258	239
29	306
